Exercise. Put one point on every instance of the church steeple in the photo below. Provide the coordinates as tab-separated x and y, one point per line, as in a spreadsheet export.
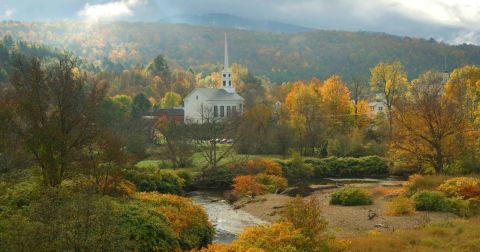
226	74
225	63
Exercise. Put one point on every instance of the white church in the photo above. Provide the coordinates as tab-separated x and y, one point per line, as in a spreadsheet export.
213	104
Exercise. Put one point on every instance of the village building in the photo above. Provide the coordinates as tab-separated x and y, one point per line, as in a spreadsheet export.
213	104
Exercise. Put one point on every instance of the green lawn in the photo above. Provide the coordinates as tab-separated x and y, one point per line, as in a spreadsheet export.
154	160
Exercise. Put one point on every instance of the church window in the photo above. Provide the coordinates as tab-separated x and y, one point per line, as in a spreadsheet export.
224	83
228	75
229	110
215	111
222	111
229	83
241	107
224	75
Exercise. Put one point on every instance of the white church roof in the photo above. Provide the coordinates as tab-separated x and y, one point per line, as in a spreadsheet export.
215	94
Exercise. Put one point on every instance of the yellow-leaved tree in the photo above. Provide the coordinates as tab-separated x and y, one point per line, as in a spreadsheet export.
304	114
390	80
427	125
336	104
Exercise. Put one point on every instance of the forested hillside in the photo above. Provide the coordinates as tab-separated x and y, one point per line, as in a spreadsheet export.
9	49
281	57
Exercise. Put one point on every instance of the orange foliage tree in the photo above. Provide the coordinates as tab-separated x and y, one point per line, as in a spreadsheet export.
427	125
304	113
336	104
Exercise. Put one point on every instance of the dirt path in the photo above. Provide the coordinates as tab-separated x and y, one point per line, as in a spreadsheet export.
349	220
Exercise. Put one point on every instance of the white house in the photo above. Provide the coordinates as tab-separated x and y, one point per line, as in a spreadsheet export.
378	104
208	104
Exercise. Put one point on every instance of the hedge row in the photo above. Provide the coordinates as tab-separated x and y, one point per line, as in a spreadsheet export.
369	166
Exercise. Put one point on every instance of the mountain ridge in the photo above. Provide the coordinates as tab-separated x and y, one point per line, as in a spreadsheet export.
279	56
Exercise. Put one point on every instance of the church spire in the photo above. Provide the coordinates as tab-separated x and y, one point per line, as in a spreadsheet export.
225	63
226	73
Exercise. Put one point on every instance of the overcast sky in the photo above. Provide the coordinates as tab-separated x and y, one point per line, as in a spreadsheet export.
452	21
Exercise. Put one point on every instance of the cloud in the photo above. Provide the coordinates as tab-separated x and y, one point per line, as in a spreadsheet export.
461	13
108	11
9	13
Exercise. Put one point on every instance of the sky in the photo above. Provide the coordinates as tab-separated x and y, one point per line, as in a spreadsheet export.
451	21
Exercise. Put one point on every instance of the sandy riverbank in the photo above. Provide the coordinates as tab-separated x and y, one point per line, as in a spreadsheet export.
348	220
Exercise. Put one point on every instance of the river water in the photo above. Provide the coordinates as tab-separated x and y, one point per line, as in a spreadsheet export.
228	222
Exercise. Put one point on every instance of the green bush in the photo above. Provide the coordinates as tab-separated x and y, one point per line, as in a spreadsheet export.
430	201
166	222
147	229
369	166
351	196
61	220
297	171
149	180
438	201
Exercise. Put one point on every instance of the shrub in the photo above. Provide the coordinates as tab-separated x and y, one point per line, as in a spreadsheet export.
369	166
351	196
247	185
418	183
271	183
275	237
188	178
400	206
297	170
438	201
430	201
222	177
306	216
53	220
256	166
169	182
147	180
165	222
464	187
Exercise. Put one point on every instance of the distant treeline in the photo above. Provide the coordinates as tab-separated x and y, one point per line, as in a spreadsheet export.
281	57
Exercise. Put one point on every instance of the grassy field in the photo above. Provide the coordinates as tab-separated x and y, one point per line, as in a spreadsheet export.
155	161
457	235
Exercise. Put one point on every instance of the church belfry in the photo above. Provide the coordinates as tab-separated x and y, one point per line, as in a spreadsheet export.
227	84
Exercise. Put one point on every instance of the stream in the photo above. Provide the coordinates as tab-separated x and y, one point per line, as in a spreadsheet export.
228	222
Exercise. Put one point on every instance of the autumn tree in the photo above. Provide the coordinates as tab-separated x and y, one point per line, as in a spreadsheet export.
359	93
256	121
170	100
207	135
464	87
391	81
140	105
304	114
159	67
12	156
177	136
336	104
55	113
427	125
